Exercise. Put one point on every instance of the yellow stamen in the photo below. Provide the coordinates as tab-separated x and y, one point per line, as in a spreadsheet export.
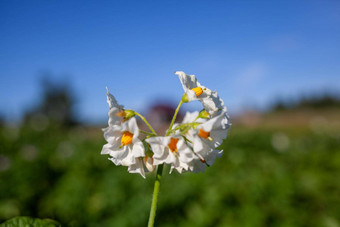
126	138
204	134
198	91
173	144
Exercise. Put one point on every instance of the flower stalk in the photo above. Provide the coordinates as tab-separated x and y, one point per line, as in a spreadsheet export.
174	118
155	196
146	122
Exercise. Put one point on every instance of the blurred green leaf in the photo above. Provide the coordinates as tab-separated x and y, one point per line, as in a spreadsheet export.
28	222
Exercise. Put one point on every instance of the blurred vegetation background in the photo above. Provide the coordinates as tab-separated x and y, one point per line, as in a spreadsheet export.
279	168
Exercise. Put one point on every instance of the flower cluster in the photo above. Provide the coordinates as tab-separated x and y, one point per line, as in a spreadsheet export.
189	146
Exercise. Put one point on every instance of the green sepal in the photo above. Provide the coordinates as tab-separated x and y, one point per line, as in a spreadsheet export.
185	98
204	114
148	151
128	114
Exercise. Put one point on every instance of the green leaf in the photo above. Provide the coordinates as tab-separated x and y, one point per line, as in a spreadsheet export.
28	222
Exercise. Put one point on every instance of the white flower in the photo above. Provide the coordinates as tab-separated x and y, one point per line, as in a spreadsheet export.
171	150
195	91
123	145
205	139
192	87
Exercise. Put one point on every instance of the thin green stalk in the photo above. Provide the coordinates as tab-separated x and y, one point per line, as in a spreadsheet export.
146	122
155	196
147	133
174	118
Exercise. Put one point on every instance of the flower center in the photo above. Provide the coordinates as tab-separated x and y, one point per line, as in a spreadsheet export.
204	134
173	144
198	91
126	138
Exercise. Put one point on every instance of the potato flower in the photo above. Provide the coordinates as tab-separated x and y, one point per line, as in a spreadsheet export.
195	91
124	146
208	136
204	136
171	150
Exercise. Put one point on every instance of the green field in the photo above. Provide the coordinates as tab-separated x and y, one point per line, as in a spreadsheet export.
272	176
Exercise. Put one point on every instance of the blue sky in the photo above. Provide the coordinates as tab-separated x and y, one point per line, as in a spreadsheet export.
249	51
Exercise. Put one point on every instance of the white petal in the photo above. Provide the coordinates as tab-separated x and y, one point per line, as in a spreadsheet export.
188	81
180	169
198	144
209	105
138	149
211	157
133	127
190	117
111	135
206	150
218	101
113	118
112	101
184	153
191	95
197	166
137	168
218	136
214	104
106	149
157	146
121	156
218	122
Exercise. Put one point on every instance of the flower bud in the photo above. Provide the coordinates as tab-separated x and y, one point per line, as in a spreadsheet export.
204	114
185	98
129	114
126	114
149	163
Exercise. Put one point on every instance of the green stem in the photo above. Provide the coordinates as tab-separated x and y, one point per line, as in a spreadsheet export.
155	196
147	133
174	118
146	122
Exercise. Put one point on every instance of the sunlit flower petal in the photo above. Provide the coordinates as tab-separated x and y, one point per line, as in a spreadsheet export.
123	145
210	100
171	150
193	89
138	167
